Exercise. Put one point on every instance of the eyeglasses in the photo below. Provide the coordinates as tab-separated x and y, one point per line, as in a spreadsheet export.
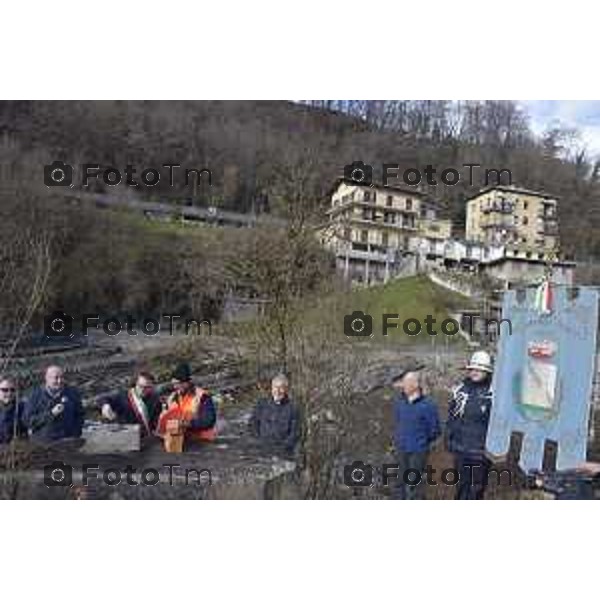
8	390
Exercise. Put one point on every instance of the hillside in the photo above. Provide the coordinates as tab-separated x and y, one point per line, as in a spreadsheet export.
263	153
411	298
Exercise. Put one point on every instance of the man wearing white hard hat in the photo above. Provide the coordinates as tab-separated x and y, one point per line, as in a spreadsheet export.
468	419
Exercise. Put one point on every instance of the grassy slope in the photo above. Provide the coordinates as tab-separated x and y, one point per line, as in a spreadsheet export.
413	297
410	298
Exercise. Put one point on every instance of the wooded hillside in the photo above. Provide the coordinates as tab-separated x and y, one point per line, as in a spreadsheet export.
252	147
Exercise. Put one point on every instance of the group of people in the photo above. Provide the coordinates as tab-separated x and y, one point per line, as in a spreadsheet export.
189	405
417	427
54	411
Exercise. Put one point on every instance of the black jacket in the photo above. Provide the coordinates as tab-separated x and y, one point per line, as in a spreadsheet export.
125	412
278	424
43	425
469	416
11	421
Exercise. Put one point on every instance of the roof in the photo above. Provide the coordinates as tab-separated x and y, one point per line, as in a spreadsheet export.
378	186
512	190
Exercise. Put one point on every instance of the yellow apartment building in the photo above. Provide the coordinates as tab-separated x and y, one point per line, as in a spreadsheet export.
370	228
506	215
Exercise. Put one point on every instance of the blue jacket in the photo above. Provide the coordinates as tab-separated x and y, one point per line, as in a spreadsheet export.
8	415
277	424
417	424
43	425
469	416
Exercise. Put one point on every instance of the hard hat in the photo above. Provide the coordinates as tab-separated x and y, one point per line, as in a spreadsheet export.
481	360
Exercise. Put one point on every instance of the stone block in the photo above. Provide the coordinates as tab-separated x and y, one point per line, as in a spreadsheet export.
109	438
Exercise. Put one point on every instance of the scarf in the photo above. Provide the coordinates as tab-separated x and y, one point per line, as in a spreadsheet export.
140	409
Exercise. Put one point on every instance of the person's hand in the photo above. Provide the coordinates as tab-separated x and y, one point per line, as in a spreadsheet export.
108	413
57	409
174	426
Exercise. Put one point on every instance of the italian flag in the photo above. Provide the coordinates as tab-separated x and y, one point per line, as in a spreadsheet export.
543	298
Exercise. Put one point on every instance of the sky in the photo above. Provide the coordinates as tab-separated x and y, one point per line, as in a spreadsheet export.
581	114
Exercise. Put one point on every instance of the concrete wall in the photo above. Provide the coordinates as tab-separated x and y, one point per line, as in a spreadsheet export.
514	270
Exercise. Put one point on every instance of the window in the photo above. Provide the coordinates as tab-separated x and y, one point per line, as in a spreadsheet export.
525	221
367	197
390	201
408	204
525	204
384	239
364	236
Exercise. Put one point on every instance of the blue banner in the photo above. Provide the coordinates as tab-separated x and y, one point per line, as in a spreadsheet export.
543	377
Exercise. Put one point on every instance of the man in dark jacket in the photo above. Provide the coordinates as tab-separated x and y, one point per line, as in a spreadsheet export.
10	412
53	411
468	419
417	426
137	405
276	420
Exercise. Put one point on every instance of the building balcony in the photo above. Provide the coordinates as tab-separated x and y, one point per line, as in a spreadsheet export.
505	209
379	222
508	226
548	229
367	252
347	206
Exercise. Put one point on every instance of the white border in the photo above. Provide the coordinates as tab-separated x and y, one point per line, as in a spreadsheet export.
274	50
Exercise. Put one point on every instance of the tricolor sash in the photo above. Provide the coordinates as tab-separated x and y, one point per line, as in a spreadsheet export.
140	409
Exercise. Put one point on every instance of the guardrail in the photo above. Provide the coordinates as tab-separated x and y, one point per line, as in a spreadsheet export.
210	215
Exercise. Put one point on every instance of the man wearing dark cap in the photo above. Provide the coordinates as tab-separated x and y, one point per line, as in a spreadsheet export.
417	426
189	405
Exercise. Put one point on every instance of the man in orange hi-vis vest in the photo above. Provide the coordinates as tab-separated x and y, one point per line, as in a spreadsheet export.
189	411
